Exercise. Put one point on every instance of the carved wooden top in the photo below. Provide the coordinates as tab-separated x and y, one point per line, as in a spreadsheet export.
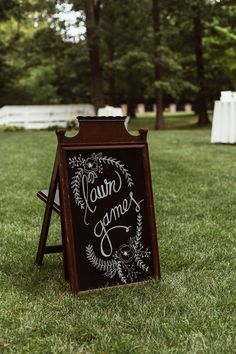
102	130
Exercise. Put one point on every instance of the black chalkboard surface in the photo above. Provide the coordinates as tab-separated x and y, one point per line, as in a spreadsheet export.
107	206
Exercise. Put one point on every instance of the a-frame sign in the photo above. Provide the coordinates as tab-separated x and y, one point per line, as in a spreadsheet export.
101	187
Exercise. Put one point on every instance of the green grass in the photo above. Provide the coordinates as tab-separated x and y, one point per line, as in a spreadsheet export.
191	310
179	120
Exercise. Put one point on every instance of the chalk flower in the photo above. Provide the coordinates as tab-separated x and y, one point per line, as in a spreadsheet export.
126	253
90	165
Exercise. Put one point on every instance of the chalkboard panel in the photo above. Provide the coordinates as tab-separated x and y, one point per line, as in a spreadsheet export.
108	213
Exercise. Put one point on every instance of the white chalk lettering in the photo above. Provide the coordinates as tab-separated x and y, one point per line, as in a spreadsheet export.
100	229
100	192
106	189
85	192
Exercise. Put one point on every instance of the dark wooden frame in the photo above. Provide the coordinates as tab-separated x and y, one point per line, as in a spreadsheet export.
52	199
110	135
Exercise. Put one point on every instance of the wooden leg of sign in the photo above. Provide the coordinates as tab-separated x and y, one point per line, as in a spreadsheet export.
65	261
43	248
48	213
66	273
44	230
52	203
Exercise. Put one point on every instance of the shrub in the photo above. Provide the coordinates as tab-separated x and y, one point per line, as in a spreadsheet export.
11	128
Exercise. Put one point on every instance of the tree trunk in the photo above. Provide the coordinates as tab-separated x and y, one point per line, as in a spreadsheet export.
131	109
131	104
92	8
201	104
112	77
159	122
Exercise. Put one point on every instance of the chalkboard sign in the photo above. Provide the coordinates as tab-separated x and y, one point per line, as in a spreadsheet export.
107	205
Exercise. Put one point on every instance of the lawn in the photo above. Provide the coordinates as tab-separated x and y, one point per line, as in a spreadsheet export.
191	310
178	120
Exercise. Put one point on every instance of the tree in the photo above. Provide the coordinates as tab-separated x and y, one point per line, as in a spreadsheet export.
127	67
159	122
221	49
40	66
201	79
92	12
6	74
133	52
17	31
198	38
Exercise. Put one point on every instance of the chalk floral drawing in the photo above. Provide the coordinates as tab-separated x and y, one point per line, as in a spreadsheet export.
127	262
90	168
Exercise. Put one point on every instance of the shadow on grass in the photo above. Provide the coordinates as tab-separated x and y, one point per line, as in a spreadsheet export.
173	122
192	126
29	280
27	277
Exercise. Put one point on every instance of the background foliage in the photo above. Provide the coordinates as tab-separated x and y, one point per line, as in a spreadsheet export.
41	62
